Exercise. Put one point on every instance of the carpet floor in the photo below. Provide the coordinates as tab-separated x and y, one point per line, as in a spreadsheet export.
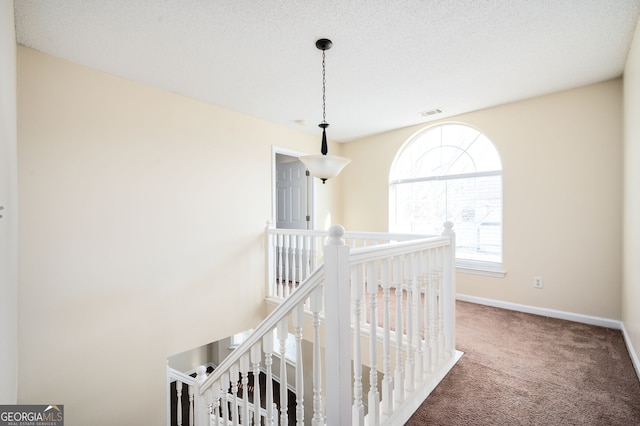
523	369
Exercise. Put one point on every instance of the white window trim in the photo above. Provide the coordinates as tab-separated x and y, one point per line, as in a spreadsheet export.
467	266
447	177
476	267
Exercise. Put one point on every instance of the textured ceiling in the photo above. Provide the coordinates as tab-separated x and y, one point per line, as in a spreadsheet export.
390	59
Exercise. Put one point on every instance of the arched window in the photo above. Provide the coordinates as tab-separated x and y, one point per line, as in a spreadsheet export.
450	172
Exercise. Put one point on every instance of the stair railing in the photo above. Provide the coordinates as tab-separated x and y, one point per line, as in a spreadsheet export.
181	381
295	253
387	337
185	387
251	351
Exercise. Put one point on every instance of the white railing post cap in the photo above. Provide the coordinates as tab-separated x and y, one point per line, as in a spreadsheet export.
336	232
448	228
201	374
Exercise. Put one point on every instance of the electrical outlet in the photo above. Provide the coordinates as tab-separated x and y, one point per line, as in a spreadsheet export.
537	282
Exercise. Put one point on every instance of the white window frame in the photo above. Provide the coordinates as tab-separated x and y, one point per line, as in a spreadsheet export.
472	266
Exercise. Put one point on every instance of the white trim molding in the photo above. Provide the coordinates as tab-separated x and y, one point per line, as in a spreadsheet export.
552	313
480	271
632	353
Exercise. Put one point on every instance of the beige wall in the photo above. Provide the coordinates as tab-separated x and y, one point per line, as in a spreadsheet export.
562	171
631	286
8	200
133	228
142	217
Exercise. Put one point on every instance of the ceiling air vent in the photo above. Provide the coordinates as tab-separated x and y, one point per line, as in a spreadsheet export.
431	112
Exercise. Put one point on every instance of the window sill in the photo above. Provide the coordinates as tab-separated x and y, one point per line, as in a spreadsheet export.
487	269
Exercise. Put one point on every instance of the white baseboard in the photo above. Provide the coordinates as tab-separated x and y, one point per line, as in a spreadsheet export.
632	353
552	313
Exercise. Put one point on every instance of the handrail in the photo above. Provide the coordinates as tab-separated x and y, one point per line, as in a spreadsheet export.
297	297
347	287
365	235
365	254
305	289
395	236
179	375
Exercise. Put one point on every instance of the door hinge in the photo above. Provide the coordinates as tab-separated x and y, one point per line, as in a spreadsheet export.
308	218
306	172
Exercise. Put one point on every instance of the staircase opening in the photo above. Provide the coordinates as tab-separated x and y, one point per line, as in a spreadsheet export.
210	356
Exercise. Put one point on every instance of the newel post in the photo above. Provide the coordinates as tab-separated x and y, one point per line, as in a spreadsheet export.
449	290
337	294
201	404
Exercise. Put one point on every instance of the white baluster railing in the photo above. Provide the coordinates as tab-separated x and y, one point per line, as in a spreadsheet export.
381	312
216	407
421	274
183	381
294	253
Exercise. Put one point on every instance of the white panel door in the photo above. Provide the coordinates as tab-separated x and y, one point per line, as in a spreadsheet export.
291	195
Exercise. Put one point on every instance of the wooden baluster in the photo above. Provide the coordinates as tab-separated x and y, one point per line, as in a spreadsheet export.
298	320
283	332
438	307
179	402
442	336
428	313
275	419
434	309
287	253
216	404
428	296
316	307
305	260
294	263
398	388
437	256
256	359
280	267
410	360
267	344
192	393
307	255
226	401
300	265
244	377
314	248
419	358
387	380
224	398
234	376
434	304
357	290
373	412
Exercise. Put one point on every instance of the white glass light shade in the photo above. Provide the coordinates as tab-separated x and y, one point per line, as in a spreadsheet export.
324	166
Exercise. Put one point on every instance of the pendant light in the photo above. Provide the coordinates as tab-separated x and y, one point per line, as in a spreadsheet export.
324	166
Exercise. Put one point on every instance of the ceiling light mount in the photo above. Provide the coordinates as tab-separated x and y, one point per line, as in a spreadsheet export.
324	44
324	166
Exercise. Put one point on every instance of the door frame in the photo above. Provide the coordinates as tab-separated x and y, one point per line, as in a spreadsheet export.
310	184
